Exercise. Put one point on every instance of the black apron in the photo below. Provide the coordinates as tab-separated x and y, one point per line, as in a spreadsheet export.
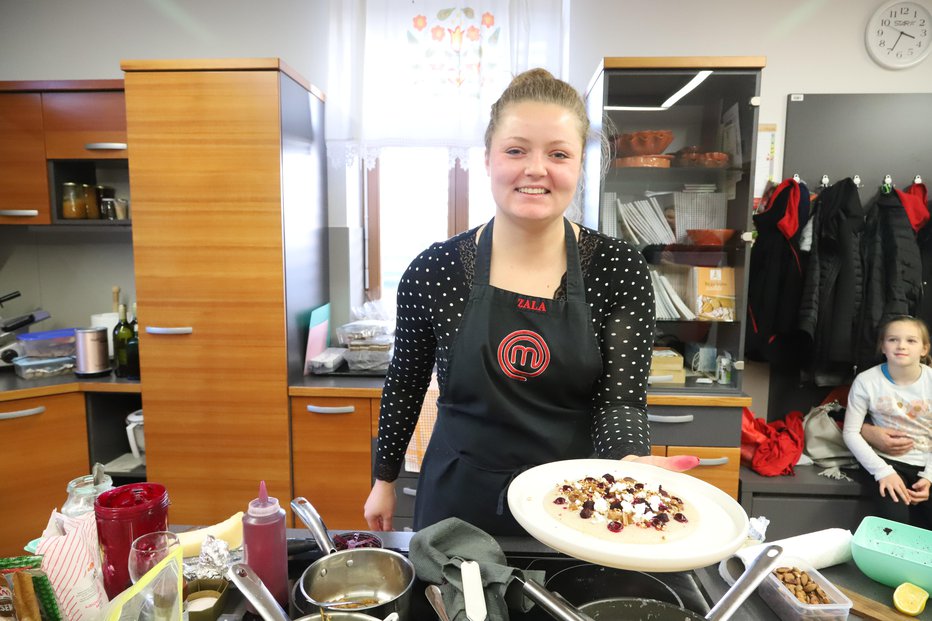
519	394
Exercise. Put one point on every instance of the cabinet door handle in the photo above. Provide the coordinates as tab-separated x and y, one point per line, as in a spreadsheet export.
105	146
22	413
409	491
20	213
713	461
341	409
179	330
679	418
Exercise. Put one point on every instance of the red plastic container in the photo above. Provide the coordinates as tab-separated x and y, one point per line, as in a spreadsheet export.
124	513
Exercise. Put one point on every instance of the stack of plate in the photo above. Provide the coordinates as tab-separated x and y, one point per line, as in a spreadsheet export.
699	187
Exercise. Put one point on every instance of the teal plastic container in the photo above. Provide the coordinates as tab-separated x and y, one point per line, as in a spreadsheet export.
893	553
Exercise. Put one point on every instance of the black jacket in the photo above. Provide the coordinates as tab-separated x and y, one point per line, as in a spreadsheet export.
892	273
776	276
831	297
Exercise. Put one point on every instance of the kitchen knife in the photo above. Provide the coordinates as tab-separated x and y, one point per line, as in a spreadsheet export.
473	592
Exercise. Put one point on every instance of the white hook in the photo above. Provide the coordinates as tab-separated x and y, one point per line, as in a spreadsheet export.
887	180
825	181
796	177
857	180
917	179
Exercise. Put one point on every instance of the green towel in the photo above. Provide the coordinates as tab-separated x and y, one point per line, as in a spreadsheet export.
437	552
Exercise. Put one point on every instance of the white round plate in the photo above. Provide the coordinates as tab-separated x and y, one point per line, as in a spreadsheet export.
722	524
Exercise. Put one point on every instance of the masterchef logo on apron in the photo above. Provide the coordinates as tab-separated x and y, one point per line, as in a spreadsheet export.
523	354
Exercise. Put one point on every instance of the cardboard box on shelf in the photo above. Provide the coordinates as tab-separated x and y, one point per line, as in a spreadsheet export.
712	293
664	358
668	377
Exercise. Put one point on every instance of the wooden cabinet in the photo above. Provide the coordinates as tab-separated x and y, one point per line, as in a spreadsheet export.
227	170
84	125
44	447
331	451
707	427
25	196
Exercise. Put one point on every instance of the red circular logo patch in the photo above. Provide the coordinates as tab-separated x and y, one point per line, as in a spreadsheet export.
523	354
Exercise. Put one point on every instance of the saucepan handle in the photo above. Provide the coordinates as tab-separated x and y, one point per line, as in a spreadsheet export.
553	604
257	593
311	518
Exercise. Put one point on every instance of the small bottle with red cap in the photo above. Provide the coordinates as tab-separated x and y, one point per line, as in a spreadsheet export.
265	544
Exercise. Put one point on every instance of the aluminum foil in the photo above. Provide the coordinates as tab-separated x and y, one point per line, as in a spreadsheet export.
213	561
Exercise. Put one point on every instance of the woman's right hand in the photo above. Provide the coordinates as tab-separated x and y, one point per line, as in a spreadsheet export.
380	506
885	440
893	484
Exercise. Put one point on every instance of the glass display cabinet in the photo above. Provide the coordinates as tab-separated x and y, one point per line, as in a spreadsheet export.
674	176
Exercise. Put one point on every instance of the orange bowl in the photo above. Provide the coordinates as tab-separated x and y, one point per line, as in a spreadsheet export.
649	142
710	237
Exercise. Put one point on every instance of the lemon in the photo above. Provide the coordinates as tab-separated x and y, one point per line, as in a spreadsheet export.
910	599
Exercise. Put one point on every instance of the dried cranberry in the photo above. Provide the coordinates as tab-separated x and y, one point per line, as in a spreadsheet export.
586	513
638	501
567	488
608	478
663	517
638	486
630	490
615	526
679	517
559	500
589	504
662	507
615	505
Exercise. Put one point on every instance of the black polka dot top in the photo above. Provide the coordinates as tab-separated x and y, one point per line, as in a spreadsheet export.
432	296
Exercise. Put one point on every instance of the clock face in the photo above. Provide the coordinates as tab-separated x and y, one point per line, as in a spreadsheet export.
899	34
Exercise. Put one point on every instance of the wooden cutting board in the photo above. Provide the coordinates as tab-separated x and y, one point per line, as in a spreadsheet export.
872	610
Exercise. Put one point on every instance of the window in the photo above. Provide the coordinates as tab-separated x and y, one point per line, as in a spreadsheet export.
416	199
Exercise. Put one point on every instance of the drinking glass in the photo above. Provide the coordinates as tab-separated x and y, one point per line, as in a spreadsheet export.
147	550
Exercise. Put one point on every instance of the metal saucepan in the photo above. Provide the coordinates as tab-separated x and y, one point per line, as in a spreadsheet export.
374	581
618	609
264	602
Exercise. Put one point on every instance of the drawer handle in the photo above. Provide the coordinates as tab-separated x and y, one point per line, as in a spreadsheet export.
340	409
179	330
409	491
713	461
679	418
22	413
20	213
105	146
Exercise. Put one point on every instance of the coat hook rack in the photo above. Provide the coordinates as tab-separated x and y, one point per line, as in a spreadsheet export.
917	179
825	181
857	180
887	185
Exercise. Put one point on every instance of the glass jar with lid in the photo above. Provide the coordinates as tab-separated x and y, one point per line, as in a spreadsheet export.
82	492
73	205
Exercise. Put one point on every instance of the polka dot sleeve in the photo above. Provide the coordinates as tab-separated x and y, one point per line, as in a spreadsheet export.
626	330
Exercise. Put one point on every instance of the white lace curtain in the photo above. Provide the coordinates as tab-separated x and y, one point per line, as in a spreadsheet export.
425	72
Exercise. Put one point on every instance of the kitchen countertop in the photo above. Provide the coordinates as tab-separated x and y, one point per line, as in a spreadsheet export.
753	609
14	387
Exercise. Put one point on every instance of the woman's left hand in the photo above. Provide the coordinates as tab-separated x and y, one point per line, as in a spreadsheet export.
678	463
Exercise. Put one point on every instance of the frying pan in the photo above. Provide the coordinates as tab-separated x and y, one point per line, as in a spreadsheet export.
622	608
374	581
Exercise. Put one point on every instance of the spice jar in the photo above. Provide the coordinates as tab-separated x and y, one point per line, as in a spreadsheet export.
92	201
73	206
108	209
82	492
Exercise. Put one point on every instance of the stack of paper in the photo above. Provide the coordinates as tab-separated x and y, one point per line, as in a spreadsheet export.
668	304
642	222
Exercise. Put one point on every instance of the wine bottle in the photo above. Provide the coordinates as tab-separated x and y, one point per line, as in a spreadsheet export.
132	348
121	335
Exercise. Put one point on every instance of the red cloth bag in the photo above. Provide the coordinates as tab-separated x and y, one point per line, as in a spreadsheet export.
771	449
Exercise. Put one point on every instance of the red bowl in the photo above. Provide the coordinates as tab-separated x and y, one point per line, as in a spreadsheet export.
649	142
710	237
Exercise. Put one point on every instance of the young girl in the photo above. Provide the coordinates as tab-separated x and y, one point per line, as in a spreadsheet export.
898	395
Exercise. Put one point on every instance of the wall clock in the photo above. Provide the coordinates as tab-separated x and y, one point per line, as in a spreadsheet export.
899	34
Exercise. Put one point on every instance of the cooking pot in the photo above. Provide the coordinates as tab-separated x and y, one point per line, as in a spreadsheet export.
264	602
375	581
621	608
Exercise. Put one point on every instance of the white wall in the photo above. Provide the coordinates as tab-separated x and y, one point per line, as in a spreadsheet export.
812	46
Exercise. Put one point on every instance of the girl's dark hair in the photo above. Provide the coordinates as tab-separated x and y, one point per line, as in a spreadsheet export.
539	85
916	321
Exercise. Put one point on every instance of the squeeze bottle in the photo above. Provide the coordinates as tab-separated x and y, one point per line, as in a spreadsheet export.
265	545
